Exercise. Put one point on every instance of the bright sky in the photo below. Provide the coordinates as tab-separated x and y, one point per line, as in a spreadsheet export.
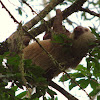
8	26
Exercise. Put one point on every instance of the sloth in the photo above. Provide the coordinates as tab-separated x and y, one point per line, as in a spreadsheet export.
69	56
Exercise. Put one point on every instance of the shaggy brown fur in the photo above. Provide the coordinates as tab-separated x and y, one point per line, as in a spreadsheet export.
68	56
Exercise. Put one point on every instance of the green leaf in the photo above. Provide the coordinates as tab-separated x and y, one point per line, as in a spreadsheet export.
56	98
6	53
83	83
93	84
63	78
10	91
14	88
94	32
61	38
19	10
98	97
28	63
58	38
22	94
51	92
72	85
94	92
77	75
81	68
14	61
36	99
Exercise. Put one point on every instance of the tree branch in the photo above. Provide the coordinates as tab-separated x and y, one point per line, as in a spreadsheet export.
76	6
90	12
42	14
3	6
61	90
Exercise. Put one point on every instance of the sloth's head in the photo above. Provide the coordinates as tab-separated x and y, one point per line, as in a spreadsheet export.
82	38
79	30
82	34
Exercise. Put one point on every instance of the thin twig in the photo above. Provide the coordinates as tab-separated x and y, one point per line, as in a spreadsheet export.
3	6
90	12
77	84
29	6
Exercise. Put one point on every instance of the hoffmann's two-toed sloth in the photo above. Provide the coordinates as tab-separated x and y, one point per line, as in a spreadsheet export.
67	55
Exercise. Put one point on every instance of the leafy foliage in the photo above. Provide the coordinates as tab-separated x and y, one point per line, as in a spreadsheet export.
34	76
87	75
62	39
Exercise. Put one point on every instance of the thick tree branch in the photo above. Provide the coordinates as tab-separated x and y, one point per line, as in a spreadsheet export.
76	6
42	14
61	90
